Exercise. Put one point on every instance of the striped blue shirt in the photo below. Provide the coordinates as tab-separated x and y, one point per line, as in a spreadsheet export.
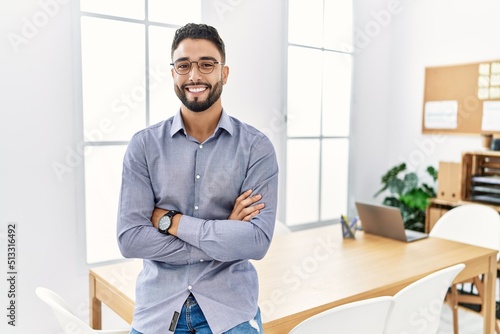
165	167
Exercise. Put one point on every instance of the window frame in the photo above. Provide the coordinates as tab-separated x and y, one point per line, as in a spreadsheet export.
342	49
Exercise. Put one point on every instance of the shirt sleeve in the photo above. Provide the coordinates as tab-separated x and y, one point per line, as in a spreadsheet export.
232	240
137	237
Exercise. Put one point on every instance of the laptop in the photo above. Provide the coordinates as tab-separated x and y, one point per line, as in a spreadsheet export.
386	221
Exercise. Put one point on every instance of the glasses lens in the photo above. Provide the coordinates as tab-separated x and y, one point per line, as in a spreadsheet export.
182	67
206	66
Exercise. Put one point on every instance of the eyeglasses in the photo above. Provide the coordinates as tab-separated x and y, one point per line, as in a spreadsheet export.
206	66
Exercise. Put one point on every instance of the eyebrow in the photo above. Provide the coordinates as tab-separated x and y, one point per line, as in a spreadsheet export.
201	58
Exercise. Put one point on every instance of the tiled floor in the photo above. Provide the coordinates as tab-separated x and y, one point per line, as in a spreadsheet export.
469	322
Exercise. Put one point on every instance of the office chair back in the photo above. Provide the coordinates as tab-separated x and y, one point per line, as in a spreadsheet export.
474	224
417	307
68	321
365	316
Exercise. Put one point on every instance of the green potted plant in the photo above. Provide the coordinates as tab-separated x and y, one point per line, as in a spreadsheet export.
406	192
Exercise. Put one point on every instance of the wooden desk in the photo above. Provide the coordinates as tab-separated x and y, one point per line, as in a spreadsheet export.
310	271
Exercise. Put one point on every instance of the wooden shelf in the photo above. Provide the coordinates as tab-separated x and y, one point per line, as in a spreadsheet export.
485	166
453	178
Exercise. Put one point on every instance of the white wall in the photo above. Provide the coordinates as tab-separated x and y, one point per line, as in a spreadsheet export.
389	81
36	125
38	118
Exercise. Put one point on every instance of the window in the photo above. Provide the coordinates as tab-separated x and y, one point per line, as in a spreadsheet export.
318	110
126	86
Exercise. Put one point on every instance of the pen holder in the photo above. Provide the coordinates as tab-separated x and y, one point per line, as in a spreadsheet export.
348	227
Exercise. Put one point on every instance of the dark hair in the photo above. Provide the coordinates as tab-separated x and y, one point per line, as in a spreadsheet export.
199	31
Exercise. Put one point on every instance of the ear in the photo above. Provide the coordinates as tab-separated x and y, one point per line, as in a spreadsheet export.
225	74
173	72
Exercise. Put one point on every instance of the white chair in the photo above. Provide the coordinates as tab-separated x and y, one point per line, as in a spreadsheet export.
474	224
417	307
70	323
365	316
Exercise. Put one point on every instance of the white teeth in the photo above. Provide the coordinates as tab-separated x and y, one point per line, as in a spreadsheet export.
197	90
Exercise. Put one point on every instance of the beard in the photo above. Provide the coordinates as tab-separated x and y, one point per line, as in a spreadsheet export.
196	105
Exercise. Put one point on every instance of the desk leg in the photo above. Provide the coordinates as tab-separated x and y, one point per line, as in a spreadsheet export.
489	302
95	313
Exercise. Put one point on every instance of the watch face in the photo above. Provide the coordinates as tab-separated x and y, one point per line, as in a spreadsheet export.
164	223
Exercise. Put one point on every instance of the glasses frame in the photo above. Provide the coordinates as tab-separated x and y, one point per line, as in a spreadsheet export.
197	65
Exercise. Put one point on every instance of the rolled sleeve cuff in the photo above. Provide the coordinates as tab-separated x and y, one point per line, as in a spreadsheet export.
189	230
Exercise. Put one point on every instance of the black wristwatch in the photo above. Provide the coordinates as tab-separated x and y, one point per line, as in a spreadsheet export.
166	221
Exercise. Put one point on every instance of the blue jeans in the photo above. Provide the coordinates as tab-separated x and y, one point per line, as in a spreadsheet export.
193	321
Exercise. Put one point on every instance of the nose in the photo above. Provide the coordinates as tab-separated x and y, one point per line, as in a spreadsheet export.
194	72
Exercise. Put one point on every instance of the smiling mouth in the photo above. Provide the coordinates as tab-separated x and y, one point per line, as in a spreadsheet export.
196	89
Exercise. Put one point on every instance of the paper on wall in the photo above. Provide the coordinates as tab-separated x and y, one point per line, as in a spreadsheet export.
484	69
441	114
491	116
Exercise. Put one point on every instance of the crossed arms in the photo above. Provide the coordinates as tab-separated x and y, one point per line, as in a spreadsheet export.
244	209
245	233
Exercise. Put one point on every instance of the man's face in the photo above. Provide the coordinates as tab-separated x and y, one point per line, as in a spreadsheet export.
196	90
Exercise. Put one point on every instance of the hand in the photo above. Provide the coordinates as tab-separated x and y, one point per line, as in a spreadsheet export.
243	208
156	215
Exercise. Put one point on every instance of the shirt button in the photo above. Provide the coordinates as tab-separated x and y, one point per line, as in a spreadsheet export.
196	207
190	288
198	176
201	146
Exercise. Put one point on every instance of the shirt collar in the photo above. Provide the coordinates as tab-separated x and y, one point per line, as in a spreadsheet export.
177	124
224	123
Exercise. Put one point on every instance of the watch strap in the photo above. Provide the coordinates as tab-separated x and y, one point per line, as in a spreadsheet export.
172	213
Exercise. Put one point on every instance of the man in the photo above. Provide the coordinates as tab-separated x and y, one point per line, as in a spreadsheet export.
198	200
